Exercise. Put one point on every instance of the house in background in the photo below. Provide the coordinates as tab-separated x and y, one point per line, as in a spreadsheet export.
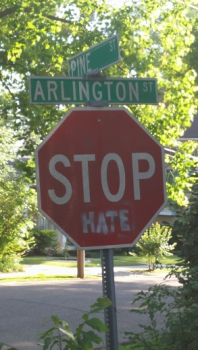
192	132
166	215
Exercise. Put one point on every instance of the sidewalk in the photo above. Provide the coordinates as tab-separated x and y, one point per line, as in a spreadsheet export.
33	270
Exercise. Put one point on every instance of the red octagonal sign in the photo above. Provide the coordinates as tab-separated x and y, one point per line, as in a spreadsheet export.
100	177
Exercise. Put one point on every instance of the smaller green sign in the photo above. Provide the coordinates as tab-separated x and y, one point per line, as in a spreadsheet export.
64	90
99	56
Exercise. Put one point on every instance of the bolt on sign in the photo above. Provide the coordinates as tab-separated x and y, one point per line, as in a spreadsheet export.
100	177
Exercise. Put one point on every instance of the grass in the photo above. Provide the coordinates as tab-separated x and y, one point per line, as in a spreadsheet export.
42	277
93	262
32	260
67	264
139	260
118	261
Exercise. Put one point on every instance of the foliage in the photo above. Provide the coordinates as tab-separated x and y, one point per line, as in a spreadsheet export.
179	330
191	57
27	168
17	205
81	339
128	251
37	38
4	346
60	334
10	263
44	238
154	244
178	305
92	254
185	228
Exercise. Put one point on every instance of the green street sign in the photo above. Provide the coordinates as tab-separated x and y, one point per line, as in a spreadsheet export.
64	90
99	56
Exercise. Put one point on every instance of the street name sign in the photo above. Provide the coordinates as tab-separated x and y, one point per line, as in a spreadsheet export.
71	90
100	177
97	57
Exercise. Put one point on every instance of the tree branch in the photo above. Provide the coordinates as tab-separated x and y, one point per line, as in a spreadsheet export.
14	65
8	11
53	18
13	9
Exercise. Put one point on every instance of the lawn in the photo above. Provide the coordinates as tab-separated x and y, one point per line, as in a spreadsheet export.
139	260
41	277
129	261
93	262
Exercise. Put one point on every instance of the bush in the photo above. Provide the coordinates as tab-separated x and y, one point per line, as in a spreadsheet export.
92	254
44	238
10	263
154	244
179	330
125	251
178	305
61	334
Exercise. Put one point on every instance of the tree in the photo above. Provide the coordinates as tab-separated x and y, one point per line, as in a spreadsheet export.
37	38
17	205
154	244
191	57
185	229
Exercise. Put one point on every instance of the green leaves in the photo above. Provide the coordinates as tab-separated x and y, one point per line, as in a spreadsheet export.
15	197
155	39
95	323
100	304
155	243
61	334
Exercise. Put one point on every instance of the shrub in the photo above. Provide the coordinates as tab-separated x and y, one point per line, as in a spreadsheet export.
178	305
179	330
92	253
44	238
154	244
10	263
60	334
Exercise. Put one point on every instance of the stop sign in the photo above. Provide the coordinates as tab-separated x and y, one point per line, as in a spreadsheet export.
100	177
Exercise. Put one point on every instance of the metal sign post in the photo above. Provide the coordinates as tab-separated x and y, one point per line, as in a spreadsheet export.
109	292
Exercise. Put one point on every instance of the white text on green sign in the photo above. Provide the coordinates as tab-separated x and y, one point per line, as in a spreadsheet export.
64	90
98	57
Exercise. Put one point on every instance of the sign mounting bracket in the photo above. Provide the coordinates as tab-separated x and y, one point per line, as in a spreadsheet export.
94	74
96	103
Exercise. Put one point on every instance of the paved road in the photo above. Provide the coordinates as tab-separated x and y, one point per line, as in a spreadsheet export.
24	306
